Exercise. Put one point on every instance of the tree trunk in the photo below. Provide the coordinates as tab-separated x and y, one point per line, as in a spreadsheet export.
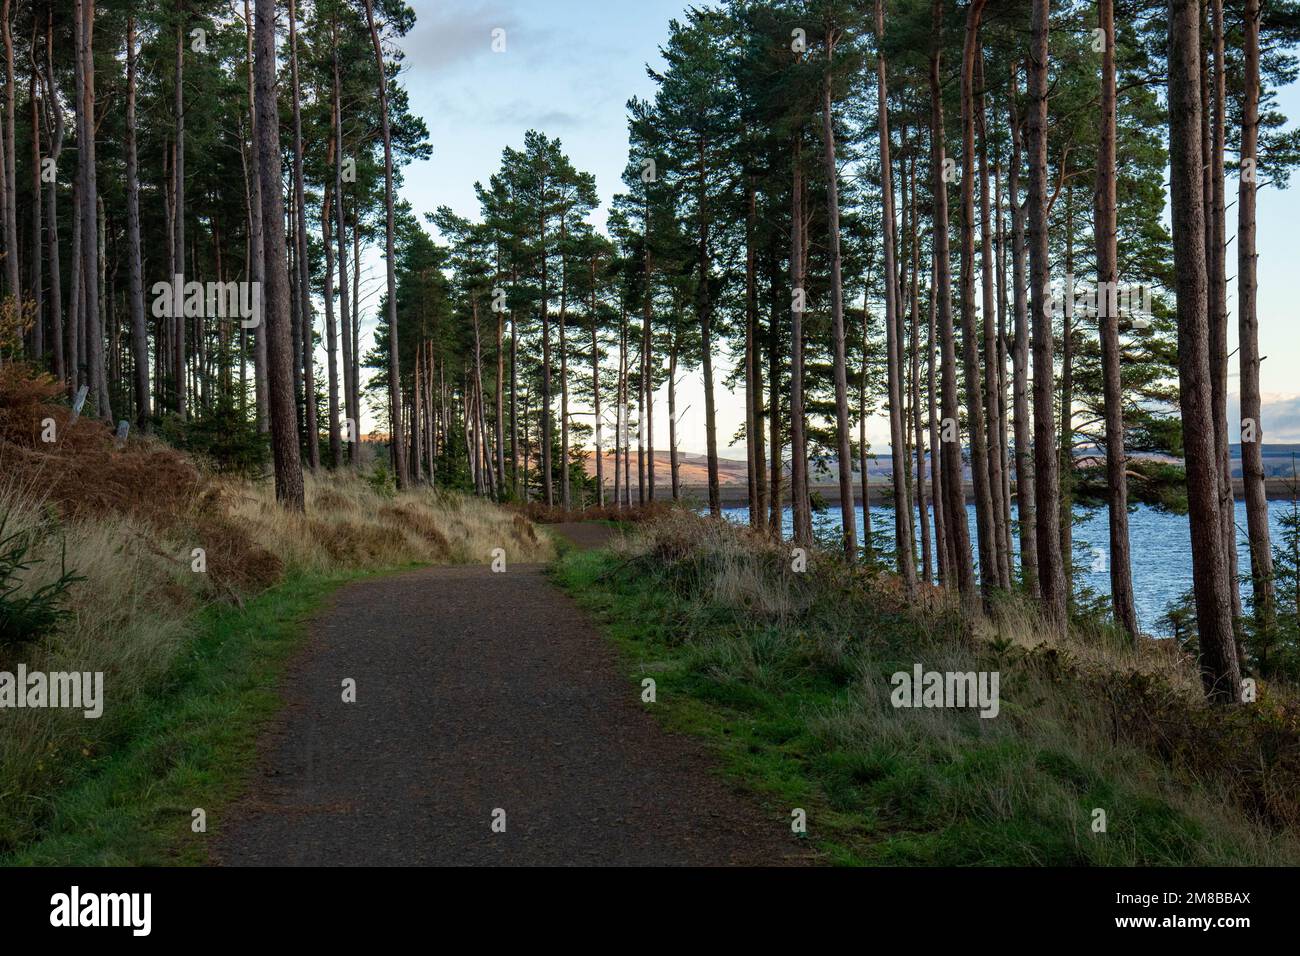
261	358
848	515
922	511
775	515
275	294
979	456
394	352
992	375
1003	425
351	412
1252	460
753	463
10	160
943	560
178	222
499	424
618	406
647	350
1051	573
331	328
76	297
54	127
706	343
308	321
897	451
1219	665
1216	230
954	506
520	491
595	394
565	498
868	546
674	466
798	448
548	492
94	338
1066	449
139	328
1020	359
1105	230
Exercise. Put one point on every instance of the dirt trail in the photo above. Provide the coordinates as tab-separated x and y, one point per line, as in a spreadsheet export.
477	691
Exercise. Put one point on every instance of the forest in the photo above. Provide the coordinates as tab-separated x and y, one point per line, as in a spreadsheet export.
952	214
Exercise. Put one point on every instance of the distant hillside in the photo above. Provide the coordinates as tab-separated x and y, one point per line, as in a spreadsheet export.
695	470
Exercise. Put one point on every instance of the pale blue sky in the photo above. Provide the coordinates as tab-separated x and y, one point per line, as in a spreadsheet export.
569	68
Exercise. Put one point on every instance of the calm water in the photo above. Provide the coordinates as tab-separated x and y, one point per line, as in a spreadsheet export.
1161	548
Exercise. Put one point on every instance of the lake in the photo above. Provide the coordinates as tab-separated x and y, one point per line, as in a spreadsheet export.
1161	548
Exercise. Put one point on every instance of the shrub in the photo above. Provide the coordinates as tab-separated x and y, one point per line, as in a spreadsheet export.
225	436
381	480
27	618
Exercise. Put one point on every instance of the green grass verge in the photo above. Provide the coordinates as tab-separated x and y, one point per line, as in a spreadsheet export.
795	711
189	744
759	735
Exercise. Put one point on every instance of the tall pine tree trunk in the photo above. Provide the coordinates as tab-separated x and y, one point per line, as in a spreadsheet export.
275	292
1218	291
775	350
90	317
331	327
394	349
799	500
1047	494
848	512
922	511
10	160
1252	427
54	133
706	338
961	571
599	426
943	560
256	239
178	213
1219	665
34	258
307	319
1105	230
139	328
1020	358
992	374
351	412
894	359
979	453
1066	450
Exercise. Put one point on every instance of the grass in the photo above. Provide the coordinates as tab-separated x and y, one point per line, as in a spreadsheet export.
189	657
187	745
788	676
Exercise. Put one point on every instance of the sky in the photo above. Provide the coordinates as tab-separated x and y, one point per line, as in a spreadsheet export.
568	69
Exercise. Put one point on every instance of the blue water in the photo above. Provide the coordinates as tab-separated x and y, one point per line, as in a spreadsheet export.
1160	548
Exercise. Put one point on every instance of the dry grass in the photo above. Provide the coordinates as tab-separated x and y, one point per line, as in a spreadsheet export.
1083	723
631	514
348	526
129	521
133	614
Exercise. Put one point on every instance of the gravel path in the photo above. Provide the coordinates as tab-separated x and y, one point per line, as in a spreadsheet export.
478	691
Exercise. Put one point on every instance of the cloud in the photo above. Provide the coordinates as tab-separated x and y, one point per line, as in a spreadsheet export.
1281	414
453	35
